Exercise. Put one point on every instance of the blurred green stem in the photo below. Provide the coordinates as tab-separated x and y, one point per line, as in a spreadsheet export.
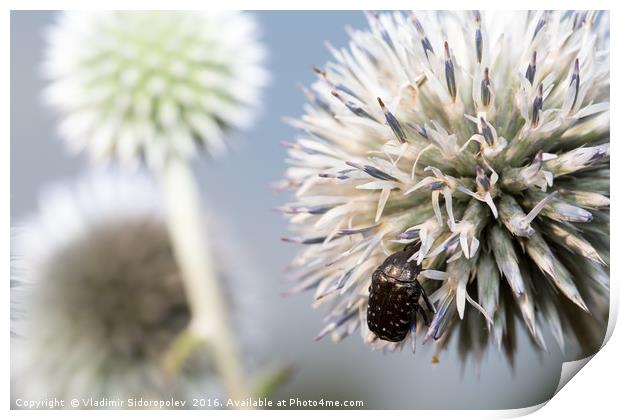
207	303
269	382
184	345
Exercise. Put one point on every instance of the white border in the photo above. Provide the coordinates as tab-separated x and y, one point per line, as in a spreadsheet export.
592	395
304	5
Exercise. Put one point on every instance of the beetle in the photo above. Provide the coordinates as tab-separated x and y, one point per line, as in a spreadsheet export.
394	296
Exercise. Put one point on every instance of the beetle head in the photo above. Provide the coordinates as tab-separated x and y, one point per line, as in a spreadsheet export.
398	266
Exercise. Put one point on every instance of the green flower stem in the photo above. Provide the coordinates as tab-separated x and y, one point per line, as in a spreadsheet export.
183	346
268	383
206	301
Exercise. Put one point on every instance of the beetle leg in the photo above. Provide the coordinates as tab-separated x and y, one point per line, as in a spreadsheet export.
427	301
421	309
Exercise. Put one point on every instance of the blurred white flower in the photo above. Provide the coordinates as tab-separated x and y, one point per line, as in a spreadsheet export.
138	84
159	86
485	137
98	299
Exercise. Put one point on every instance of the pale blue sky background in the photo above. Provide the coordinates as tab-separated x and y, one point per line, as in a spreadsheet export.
239	187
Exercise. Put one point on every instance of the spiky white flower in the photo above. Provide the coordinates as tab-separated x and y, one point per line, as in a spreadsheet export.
485	137
136	84
98	299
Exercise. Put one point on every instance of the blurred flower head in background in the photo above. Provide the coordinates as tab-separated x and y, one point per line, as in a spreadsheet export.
485	138
98	300
136	85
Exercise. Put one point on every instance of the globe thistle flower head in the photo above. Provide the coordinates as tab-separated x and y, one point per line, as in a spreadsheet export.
484	138
135	84
98	299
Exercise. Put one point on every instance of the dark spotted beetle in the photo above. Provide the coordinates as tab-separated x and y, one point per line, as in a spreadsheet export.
394	295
